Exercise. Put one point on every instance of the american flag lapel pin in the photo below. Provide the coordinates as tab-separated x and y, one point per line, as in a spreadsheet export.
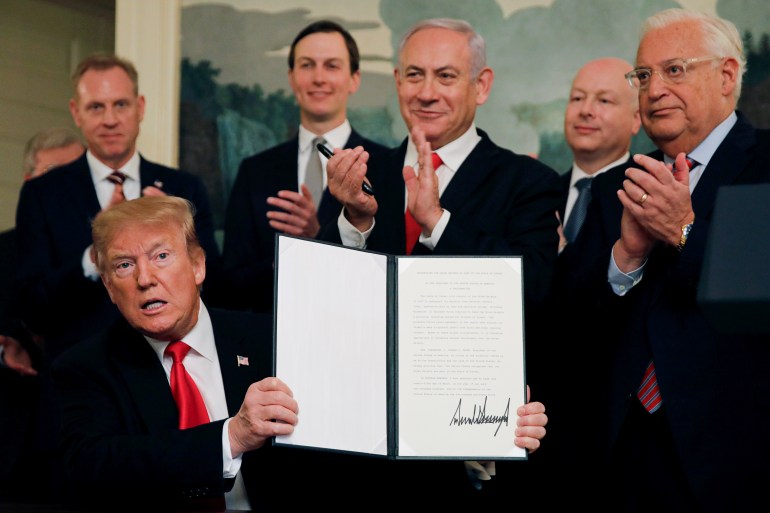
243	360
158	184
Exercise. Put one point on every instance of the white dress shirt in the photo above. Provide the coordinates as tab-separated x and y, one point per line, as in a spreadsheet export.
335	138
452	156
202	363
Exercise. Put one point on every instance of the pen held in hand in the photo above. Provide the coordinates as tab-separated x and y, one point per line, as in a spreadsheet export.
326	152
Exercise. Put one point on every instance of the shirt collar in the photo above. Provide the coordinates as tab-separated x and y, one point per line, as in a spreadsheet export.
706	149
100	171
452	154
200	337
578	173
335	138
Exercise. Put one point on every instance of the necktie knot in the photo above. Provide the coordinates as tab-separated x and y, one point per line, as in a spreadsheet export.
583	183
177	350
117	177
692	163
436	160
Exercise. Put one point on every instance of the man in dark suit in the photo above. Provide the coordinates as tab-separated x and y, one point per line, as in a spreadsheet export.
271	192
482	200
665	442
61	295
126	441
602	116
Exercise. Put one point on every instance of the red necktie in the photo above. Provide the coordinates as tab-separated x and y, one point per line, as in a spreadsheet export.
192	410
649	393
413	229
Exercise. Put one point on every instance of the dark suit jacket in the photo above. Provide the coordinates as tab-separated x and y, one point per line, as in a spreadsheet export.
120	436
249	248
53	220
703	374
501	203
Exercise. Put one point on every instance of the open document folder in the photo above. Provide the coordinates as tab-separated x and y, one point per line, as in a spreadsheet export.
404	357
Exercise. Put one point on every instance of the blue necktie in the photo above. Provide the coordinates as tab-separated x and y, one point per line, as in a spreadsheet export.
579	210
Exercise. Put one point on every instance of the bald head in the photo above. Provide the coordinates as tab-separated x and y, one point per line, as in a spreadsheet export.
602	113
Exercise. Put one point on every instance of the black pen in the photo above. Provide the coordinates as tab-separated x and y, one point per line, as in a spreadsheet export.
326	152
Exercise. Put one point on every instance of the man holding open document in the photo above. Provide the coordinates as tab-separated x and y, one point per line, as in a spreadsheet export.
482	200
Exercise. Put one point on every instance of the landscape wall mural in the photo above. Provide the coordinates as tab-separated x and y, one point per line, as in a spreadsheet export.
235	98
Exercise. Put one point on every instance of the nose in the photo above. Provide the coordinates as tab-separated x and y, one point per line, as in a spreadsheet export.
109	117
145	277
587	108
319	75
657	85
427	90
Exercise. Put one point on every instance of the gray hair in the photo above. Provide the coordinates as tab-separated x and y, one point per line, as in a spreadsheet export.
475	42
721	37
47	139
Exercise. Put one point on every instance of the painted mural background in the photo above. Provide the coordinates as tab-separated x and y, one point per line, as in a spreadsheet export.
235	98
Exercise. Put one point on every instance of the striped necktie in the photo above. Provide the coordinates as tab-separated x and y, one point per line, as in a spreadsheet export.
649	393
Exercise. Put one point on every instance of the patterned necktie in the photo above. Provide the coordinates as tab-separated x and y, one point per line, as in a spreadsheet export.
692	163
314	179
117	178
192	409
578	214
649	393
413	229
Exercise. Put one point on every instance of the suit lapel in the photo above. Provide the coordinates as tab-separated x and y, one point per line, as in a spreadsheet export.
730	159
80	188
232	344
473	171
145	378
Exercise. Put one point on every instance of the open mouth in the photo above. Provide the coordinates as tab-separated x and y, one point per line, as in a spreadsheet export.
153	305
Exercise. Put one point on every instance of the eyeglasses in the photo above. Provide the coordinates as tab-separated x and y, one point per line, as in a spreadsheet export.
673	72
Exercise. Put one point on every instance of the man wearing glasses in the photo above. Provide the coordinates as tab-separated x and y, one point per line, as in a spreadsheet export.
685	408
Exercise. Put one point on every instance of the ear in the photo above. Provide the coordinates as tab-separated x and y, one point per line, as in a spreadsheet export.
355	81
397	77
199	266
74	112
484	85
637	122
729	76
140	105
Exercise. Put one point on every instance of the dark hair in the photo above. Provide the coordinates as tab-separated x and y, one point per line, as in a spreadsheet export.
328	27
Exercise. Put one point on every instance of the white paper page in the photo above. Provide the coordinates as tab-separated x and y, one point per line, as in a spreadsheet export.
460	356
331	344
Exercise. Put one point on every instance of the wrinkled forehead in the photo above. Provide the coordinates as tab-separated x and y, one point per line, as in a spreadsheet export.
680	40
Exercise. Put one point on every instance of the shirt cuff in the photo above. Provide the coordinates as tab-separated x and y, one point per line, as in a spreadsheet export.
349	234
230	465
623	282
438	230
